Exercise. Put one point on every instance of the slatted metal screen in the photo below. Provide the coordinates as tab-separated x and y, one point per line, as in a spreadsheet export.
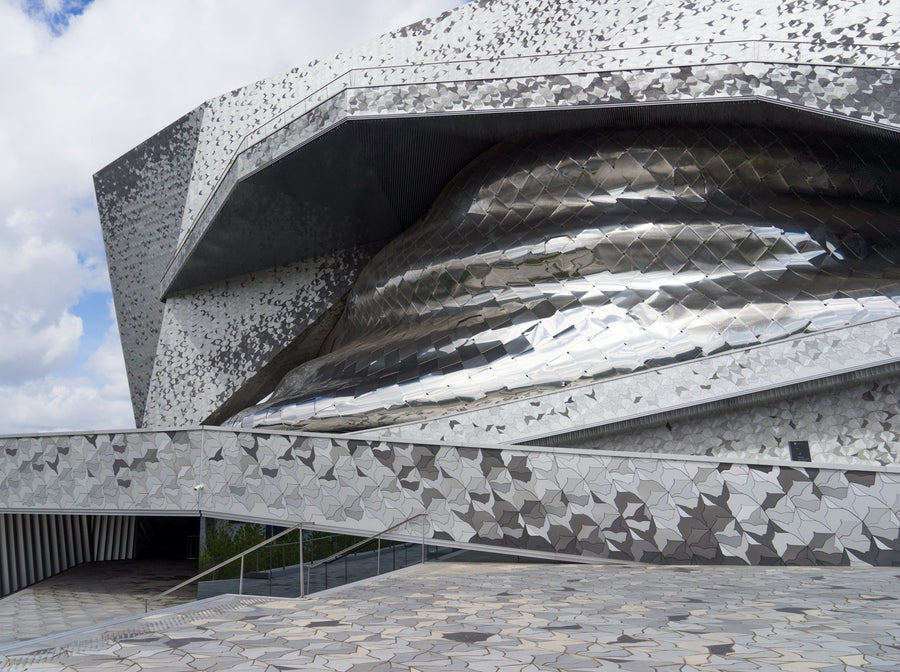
34	547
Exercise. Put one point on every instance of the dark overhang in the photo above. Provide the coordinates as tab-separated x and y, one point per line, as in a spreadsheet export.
366	179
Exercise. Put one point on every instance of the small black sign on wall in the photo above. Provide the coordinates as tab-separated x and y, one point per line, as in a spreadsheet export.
800	451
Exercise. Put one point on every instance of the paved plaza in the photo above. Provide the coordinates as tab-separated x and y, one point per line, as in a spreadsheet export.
98	592
516	617
89	594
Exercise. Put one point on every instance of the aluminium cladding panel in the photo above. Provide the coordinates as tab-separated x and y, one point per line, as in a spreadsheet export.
856	93
577	503
860	96
555	260
140	197
513	56
853	424
214	339
727	375
499	31
506	38
123	472
583	504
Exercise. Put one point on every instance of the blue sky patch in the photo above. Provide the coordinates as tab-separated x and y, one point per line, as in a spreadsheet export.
56	14
93	309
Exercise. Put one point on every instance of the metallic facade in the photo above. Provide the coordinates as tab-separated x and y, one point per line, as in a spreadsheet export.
569	504
281	181
661	235
559	260
820	387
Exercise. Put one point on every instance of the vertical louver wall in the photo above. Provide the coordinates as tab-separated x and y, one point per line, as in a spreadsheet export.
34	547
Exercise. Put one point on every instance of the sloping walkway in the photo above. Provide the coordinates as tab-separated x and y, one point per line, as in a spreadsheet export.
89	594
460	616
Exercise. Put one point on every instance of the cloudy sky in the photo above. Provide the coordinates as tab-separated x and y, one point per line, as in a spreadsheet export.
82	82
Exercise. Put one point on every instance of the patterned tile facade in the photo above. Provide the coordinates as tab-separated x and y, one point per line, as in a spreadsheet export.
131	472
832	62
140	198
696	382
835	60
505	40
562	259
565	503
214	339
855	424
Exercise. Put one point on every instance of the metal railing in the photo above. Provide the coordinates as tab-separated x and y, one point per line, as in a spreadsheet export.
363	542
238	556
304	587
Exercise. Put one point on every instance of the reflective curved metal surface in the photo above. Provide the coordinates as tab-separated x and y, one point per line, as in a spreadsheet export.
557	260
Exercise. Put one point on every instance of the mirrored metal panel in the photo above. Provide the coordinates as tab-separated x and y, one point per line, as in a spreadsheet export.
553	261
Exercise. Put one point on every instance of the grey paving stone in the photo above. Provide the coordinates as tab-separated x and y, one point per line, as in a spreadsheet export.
746	618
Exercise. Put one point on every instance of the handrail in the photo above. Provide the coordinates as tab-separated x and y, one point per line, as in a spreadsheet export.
334	556
378	536
298	526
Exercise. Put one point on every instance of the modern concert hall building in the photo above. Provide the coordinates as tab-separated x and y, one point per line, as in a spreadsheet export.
577	280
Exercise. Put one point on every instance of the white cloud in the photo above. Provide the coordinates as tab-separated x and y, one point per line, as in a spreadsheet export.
72	103
52	404
96	398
